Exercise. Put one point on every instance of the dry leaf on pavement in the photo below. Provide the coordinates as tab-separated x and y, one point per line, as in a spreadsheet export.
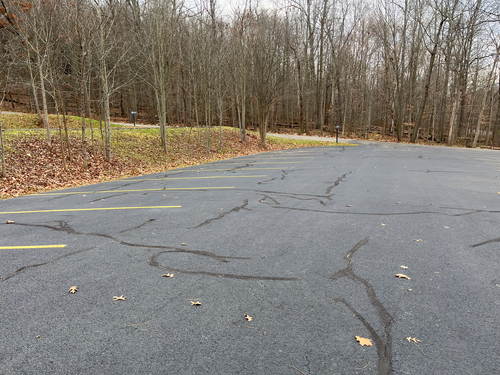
404	267
413	339
195	303
169	275
248	317
73	290
401	276
121	298
363	341
10	222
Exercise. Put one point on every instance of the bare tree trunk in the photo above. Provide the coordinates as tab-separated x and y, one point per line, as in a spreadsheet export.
4	167
483	104
453	118
105	87
427	84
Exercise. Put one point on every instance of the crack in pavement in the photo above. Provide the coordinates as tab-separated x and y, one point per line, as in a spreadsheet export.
64	227
281	193
486	242
139	226
263	200
383	342
470	212
284	174
235	209
153	262
111	196
24	268
265	182
335	184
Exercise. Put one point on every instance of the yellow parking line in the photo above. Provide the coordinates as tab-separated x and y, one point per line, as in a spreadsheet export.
30	247
86	209
230	169
191	178
132	191
278	162
269	158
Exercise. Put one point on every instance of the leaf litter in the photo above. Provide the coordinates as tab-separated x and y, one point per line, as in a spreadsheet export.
402	276
363	341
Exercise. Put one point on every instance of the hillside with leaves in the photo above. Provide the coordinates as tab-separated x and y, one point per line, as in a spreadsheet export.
33	166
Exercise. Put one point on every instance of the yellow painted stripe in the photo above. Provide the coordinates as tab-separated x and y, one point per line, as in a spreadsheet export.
231	169
190	178
278	162
132	191
270	158
30	247
87	209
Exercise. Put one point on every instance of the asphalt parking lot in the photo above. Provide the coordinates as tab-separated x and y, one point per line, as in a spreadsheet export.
304	242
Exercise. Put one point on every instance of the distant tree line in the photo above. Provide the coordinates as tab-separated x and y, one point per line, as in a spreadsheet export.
423	69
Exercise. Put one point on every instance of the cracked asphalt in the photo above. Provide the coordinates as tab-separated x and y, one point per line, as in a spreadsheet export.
306	241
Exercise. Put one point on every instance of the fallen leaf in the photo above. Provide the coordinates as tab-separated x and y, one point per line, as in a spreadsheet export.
401	276
38	336
248	317
121	298
195	303
349	205
183	244
383	224
169	275
404	267
410	290
413	339
73	289
417	240
261	201
10	222
363	342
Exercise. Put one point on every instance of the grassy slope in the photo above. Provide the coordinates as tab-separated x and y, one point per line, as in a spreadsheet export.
33	167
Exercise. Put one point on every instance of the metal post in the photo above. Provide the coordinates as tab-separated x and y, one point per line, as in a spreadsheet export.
134	116
337	141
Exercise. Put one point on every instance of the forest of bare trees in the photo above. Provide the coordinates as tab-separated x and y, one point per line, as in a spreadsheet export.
417	69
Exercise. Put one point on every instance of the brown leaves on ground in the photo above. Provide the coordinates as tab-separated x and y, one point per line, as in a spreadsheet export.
195	303
168	275
73	289
363	341
401	276
120	298
413	339
248	317
33	166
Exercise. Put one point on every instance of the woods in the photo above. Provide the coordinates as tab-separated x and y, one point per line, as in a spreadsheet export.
419	69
